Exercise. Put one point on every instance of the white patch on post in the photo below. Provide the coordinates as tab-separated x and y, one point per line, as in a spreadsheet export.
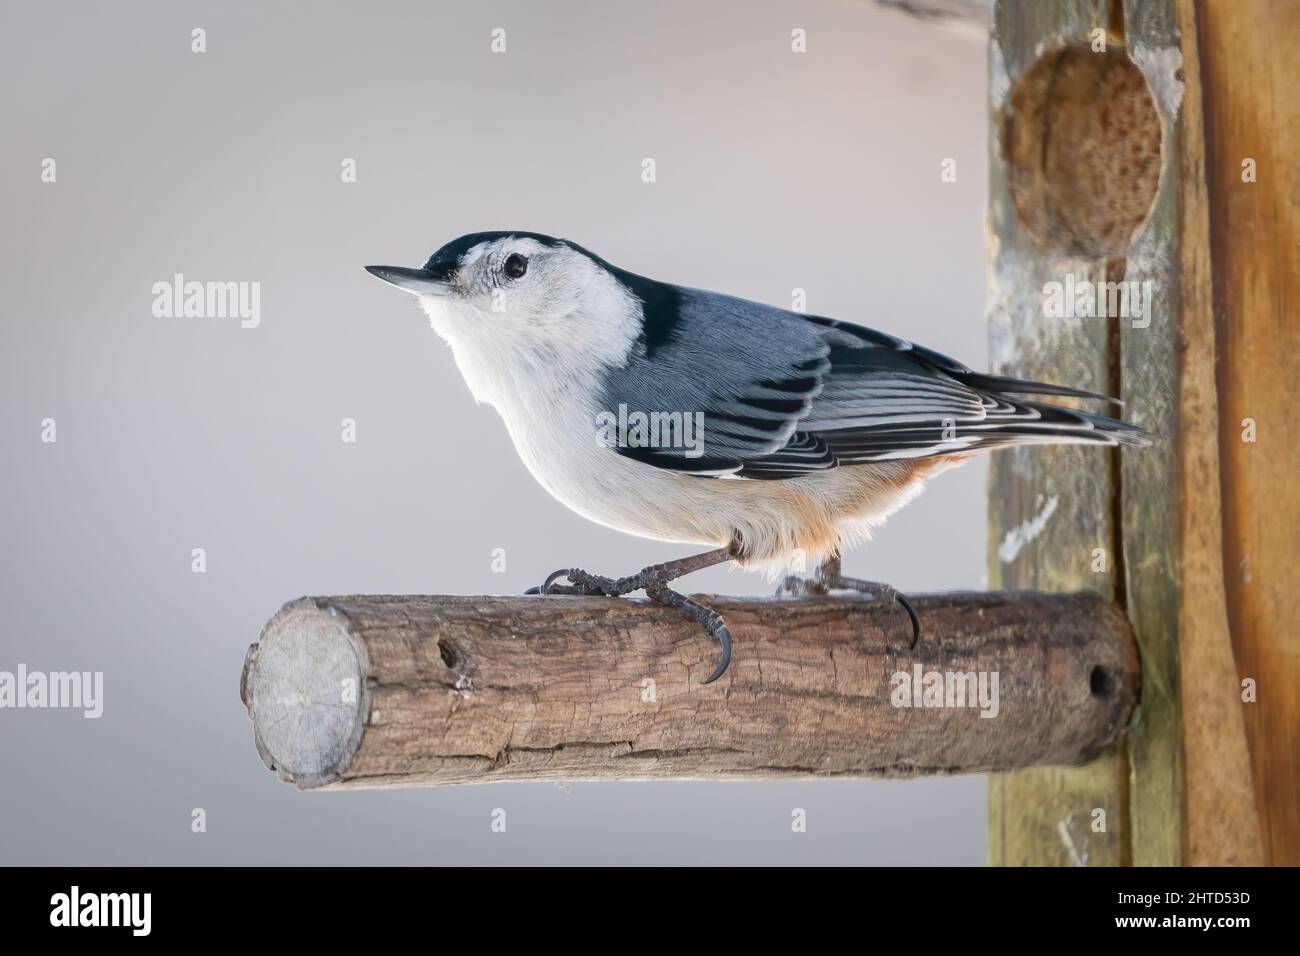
1161	69
1068	843
1022	534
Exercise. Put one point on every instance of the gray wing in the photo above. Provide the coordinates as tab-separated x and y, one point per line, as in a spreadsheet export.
781	394
748	371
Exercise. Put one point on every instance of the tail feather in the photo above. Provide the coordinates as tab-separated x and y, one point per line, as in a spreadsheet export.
1063	426
1001	384
1008	422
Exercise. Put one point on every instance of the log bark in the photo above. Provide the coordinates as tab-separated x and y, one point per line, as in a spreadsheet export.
420	691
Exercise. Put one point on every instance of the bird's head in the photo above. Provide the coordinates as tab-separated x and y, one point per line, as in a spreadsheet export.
499	287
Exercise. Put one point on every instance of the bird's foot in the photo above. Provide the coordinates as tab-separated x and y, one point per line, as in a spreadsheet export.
584	582
884	593
828	578
654	582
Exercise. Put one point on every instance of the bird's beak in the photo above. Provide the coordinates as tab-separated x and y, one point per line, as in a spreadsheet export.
415	281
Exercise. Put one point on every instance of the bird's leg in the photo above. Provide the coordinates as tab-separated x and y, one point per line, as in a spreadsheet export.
654	581
828	577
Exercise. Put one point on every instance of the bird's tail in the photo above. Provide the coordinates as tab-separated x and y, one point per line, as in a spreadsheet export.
1010	420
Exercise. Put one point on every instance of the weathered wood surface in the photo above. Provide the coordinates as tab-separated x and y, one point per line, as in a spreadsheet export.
1146	491
1051	515
1191	519
418	691
1171	500
1250	63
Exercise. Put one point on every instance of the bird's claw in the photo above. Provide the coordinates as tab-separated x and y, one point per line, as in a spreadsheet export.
901	598
549	584
885	593
724	639
707	618
825	582
656	588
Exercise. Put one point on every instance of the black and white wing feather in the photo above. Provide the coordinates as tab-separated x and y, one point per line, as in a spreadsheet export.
782	394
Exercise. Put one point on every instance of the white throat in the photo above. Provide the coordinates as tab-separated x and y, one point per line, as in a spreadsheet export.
526	368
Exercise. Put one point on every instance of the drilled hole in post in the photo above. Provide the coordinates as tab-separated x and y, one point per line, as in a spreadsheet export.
1081	137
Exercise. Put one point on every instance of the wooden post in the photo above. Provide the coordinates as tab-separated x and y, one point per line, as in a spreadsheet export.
418	691
1052	522
1250	58
1121	134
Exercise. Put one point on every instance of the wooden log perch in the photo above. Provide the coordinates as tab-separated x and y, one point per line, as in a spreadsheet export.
419	691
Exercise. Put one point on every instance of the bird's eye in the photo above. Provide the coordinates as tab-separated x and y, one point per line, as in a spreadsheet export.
516	265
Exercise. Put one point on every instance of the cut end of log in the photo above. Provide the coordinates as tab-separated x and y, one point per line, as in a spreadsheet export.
305	688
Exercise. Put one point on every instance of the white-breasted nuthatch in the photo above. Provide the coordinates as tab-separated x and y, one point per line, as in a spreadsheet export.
691	416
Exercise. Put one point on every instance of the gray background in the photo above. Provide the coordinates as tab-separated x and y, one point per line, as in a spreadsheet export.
775	170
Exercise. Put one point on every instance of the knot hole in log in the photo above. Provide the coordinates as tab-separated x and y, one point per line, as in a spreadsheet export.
450	654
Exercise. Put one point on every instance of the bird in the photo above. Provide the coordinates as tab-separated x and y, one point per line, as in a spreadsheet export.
777	439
